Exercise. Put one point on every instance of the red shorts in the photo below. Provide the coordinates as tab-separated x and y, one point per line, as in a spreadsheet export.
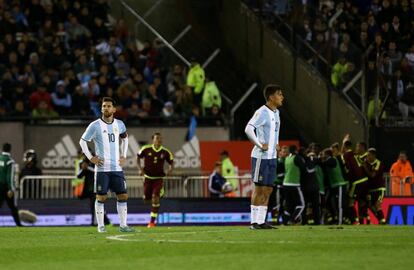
152	187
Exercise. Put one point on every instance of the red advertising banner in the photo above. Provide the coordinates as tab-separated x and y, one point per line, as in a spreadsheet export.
239	153
397	210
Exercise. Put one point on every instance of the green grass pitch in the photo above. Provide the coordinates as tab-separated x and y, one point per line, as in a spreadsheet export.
208	247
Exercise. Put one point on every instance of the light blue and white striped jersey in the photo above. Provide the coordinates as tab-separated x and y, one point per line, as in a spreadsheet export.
105	137
267	125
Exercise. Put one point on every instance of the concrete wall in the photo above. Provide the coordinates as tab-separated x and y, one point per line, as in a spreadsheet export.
270	59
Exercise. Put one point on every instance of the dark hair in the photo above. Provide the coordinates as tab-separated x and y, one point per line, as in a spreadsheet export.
403	152
155	134
348	144
293	149
364	144
328	152
270	89
335	145
6	147
108	99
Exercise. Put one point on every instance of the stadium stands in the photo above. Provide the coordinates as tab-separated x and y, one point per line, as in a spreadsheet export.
58	58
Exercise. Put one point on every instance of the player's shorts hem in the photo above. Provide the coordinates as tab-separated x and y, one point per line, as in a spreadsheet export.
263	185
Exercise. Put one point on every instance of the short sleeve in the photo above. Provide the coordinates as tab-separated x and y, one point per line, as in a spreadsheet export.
89	133
122	128
258	119
170	156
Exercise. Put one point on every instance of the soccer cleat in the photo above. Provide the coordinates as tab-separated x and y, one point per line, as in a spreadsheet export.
255	226
151	225
383	221
101	229
266	226
126	229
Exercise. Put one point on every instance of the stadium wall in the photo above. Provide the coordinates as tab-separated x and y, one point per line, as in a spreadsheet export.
57	146
225	211
325	116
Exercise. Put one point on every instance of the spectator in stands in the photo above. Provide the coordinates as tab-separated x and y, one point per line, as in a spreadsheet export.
401	174
410	56
338	71
211	97
43	110
77	33
406	104
195	79
167	113
62	101
19	109
394	55
80	102
40	95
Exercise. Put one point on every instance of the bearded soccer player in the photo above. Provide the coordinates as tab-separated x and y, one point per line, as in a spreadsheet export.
263	131
106	134
154	155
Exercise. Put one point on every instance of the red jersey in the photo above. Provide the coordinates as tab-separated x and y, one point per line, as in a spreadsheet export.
154	160
377	180
353	170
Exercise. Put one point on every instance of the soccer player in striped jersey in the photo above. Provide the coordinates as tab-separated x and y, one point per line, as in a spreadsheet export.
263	131
154	156
107	133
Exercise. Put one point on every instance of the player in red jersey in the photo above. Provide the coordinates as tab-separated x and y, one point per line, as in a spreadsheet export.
358	180
376	182
154	156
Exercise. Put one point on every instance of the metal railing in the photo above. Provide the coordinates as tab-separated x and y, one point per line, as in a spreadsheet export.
60	186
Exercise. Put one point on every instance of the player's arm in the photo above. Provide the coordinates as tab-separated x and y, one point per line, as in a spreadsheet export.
10	178
94	159
256	121
124	148
170	161
140	155
88	136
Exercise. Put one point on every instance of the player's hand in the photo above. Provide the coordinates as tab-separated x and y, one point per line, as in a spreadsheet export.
10	194
97	161
265	147
347	137
84	165
140	172
122	161
277	147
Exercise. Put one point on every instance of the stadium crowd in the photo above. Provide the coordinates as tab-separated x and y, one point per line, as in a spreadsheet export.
59	57
336	185
378	32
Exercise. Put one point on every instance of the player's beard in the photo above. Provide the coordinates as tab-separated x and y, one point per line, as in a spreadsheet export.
107	114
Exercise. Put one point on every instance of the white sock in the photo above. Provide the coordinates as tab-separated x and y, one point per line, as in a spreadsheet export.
99	212
261	214
122	213
253	213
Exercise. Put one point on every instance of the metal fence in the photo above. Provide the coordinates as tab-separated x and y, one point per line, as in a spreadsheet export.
60	186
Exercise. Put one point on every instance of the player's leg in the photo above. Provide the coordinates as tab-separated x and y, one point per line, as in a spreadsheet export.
257	192
14	210
376	205
118	185
101	189
267	174
300	206
157	188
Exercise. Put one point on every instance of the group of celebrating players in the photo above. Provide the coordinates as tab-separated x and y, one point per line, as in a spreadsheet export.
333	184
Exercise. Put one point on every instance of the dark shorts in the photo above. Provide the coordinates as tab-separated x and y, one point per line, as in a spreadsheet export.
264	171
114	181
153	187
359	189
